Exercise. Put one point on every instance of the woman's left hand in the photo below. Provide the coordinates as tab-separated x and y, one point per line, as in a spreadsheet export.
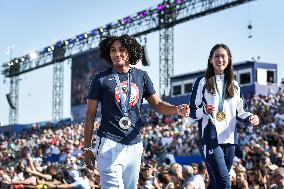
254	120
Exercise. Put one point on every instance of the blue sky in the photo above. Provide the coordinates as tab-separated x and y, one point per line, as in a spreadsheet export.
33	24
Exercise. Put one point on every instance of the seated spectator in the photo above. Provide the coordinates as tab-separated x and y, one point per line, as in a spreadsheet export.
241	181
165	181
177	168
277	179
147	172
198	181
187	175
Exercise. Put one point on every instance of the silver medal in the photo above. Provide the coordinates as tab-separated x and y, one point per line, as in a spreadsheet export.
124	122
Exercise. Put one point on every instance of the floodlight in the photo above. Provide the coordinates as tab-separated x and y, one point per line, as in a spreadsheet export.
126	20
33	55
143	13
101	30
161	7
94	32
81	37
178	1
68	42
58	44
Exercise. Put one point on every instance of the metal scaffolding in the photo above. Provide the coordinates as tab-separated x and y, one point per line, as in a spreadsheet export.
166	66
57	92
13	100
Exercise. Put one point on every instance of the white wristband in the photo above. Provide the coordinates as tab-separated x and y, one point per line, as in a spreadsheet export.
88	149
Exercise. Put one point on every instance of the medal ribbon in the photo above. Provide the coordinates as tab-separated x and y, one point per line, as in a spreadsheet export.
125	106
221	97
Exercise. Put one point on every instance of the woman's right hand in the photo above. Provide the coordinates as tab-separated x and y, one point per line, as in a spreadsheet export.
209	108
90	159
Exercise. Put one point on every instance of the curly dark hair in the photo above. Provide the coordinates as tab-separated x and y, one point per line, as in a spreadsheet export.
229	74
127	41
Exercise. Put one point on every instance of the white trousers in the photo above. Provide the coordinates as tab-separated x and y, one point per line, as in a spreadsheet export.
118	164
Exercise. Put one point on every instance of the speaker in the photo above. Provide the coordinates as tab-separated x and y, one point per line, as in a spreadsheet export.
145	58
58	54
10	101
15	69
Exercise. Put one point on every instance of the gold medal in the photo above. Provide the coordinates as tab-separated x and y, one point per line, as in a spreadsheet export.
220	116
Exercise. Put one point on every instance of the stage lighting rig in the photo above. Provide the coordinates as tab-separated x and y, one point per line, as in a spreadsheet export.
165	15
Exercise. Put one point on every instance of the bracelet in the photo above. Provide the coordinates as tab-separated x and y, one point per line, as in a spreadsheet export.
88	149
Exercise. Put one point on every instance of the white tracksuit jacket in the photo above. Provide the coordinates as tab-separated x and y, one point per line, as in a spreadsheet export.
211	131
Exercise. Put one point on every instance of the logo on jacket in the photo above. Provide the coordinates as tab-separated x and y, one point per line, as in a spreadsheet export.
134	97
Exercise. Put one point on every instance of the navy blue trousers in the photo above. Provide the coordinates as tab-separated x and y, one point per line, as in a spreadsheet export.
218	162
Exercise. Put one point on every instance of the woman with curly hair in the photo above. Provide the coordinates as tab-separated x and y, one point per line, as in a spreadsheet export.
216	102
120	90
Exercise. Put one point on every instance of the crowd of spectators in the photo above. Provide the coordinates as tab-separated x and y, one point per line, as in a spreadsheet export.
52	157
49	157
